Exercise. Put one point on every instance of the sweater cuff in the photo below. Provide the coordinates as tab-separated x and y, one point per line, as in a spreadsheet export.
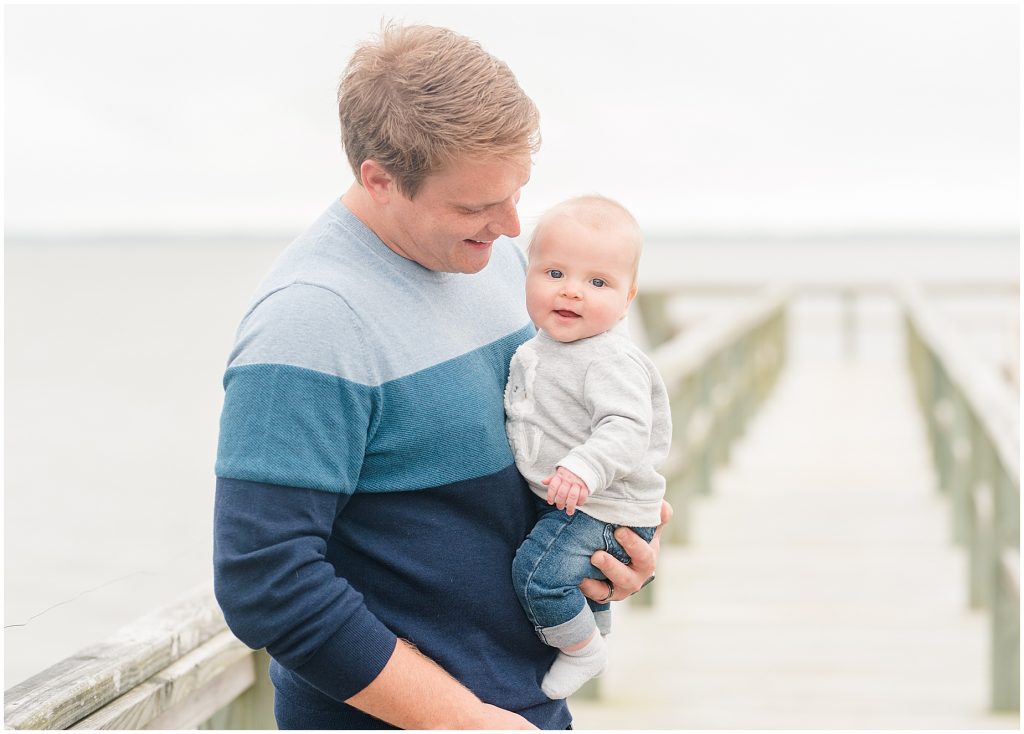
352	658
581	469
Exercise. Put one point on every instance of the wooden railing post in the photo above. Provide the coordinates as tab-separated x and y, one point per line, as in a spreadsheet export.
718	373
1006	595
973	429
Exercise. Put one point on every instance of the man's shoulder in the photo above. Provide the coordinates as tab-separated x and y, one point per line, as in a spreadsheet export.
335	302
332	253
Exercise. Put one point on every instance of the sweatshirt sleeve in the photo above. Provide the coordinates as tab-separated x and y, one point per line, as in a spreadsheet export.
298	413
617	394
278	591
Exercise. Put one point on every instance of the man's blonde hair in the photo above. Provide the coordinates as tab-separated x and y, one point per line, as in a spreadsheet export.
597	212
416	98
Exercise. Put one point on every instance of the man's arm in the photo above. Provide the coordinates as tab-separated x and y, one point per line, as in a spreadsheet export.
278	591
414	692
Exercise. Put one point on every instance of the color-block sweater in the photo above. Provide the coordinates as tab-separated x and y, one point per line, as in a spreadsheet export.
365	485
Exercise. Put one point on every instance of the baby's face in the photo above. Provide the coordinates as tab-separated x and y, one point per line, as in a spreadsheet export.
580	280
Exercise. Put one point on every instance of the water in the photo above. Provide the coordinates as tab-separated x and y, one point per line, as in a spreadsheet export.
113	388
113	367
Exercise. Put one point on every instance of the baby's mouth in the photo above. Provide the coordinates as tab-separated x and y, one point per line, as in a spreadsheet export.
567	314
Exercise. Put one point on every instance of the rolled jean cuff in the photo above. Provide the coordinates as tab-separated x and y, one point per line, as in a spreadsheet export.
576	630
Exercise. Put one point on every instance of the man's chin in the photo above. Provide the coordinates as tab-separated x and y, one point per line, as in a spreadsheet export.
471	269
476	256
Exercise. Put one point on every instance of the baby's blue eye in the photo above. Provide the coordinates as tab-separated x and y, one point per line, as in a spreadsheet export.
555	273
597	282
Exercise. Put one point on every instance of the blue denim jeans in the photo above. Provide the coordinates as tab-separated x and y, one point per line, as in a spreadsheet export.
551	563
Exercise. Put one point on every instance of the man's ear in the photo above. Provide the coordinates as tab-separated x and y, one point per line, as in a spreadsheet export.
377	181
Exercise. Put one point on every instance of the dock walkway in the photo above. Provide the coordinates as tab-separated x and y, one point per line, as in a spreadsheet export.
820	587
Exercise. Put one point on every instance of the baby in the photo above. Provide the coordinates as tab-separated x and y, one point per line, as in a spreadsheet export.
588	420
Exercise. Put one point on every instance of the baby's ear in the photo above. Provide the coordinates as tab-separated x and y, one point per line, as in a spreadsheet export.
629	299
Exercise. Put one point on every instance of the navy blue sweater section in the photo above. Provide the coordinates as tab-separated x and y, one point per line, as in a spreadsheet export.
306	574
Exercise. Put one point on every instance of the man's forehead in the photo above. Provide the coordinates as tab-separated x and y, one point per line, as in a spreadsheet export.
484	179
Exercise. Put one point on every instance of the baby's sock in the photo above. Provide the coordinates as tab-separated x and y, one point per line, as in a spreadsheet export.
572	669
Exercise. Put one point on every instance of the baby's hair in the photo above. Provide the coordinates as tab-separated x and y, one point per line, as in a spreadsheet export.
596	212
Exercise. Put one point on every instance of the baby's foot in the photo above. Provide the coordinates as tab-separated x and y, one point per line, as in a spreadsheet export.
572	669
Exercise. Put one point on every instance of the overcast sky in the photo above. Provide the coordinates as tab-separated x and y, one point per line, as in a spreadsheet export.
724	117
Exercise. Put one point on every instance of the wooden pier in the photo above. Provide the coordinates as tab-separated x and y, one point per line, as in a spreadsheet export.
820	588
845	552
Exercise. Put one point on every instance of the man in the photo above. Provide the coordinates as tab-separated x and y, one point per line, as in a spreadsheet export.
368	506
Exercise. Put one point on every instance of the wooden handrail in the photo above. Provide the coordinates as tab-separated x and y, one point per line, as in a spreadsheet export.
173	668
717	373
993	405
973	424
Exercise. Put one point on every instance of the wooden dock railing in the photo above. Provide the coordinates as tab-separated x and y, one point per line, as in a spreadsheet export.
717	374
176	668
973	423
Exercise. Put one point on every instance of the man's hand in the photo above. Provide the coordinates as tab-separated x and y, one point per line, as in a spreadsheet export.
566	490
625	579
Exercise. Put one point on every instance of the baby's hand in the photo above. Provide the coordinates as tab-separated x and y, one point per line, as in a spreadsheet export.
566	490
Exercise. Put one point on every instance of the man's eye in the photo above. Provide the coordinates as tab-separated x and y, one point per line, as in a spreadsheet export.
598	283
555	273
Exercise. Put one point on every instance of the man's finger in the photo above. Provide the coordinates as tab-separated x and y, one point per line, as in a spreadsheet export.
633	544
666	517
666	512
596	590
642	560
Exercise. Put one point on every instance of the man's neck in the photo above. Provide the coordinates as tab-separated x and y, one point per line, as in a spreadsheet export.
357	201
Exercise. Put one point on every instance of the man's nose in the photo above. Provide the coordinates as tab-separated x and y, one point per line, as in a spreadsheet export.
507	222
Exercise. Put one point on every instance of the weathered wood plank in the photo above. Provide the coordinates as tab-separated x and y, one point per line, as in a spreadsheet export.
254	709
207	700
172	686
63	694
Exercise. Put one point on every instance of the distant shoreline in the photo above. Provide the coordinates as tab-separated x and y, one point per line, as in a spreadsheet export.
680	238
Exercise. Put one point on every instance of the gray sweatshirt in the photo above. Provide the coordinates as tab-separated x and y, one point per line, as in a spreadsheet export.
599	408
